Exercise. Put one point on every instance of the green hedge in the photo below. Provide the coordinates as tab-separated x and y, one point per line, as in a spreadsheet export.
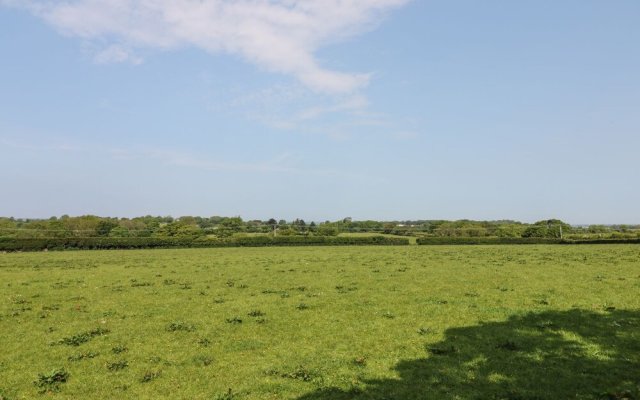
506	240
13	244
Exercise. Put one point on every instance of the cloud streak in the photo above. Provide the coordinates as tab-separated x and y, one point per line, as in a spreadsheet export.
280	36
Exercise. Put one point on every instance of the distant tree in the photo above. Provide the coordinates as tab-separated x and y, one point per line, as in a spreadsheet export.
326	230
105	226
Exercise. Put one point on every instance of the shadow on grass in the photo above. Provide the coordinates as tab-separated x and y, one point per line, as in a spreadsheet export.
574	354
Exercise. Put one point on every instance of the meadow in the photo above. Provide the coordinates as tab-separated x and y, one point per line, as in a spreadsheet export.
322	323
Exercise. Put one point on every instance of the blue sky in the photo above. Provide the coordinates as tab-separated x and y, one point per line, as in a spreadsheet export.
379	109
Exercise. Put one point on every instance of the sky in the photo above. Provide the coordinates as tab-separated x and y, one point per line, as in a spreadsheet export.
321	109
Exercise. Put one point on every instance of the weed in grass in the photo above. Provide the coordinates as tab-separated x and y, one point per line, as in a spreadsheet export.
388	315
50	382
179	326
234	320
83	356
204	342
149	376
169	282
117	365
302	306
119	349
218	300
78	339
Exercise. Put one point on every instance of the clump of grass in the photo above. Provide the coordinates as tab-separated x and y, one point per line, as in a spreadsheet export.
202	360
234	320
135	283
302	306
346	289
300	373
218	300
204	342
442	351
388	315
256	313
508	345
149	376
360	361
424	331
179	326
50	382
78	339
83	356
117	365
545	325
119	349
225	396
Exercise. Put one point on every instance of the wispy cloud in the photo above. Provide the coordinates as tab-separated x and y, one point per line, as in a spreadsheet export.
190	160
278	35
284	163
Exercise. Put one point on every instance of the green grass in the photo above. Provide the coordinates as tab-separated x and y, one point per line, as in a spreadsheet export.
322	323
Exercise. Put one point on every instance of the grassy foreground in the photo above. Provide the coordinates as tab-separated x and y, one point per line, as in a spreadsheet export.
322	323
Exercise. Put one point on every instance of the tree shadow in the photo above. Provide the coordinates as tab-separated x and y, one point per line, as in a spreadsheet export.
572	354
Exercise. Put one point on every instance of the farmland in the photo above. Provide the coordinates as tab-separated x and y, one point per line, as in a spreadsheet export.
321	323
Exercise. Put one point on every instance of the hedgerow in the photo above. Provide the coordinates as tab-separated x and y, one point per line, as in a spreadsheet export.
94	243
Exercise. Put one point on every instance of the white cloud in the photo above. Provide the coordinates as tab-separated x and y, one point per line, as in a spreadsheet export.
278	35
116	54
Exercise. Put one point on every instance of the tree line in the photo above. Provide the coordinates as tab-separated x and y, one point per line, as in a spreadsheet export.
89	226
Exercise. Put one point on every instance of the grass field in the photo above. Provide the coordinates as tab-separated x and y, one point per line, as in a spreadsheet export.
414	322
